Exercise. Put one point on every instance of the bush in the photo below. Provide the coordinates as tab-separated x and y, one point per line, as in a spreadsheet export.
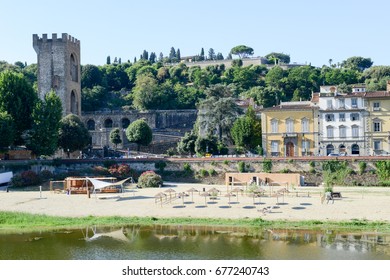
383	169
267	166
46	174
160	165
312	164
241	166
226	162
26	178
212	172
187	168
285	170
385	183
100	170
121	171
203	173
149	179
362	167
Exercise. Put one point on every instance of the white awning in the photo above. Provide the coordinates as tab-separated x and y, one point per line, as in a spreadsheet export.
99	184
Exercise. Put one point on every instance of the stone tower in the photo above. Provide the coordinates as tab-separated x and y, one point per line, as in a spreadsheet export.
59	69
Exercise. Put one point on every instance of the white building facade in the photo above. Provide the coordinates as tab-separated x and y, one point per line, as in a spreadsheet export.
342	122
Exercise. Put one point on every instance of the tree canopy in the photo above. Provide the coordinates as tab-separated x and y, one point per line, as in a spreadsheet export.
73	135
140	133
275	58
18	99
43	137
242	51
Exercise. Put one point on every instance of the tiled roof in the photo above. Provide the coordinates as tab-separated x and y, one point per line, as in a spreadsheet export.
376	94
289	107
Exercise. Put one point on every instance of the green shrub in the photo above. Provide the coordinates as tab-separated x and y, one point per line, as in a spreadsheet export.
26	178
362	167
160	165
46	174
385	183
212	172
312	164
312	171
241	166
226	162
149	179
383	170
202	172
290	161
285	170
171	152
187	168
267	165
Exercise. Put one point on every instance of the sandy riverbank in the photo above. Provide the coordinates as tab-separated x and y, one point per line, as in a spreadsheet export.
369	203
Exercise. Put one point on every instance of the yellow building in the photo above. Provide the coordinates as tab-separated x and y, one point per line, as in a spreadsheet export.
290	129
378	121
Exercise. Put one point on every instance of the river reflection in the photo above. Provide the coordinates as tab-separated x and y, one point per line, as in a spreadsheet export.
178	242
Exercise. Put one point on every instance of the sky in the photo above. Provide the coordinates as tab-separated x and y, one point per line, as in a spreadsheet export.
309	31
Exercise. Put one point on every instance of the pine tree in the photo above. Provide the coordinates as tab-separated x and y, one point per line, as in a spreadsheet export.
201	56
178	56
211	54
145	55
108	60
161	57
152	57
172	55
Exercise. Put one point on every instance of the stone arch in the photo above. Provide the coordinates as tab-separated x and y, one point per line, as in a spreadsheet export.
73	102
91	125
108	123
74	75
329	149
125	122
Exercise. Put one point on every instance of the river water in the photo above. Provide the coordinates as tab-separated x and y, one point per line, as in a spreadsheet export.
193	243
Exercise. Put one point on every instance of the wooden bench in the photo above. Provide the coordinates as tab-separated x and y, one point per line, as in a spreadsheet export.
336	195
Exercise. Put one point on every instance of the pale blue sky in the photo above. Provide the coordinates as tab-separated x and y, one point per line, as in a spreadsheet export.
309	31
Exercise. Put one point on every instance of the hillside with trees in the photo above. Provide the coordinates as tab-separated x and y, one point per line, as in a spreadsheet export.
157	82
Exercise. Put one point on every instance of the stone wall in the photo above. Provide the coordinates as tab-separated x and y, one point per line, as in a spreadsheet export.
167	124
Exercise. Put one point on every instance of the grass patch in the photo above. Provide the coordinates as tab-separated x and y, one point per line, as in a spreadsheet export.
17	222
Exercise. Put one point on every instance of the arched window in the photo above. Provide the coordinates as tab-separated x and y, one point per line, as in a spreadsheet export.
91	125
355	150
108	123
73	103
329	149
125	123
73	68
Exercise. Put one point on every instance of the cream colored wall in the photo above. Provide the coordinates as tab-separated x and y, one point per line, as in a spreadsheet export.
282	116
384	115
